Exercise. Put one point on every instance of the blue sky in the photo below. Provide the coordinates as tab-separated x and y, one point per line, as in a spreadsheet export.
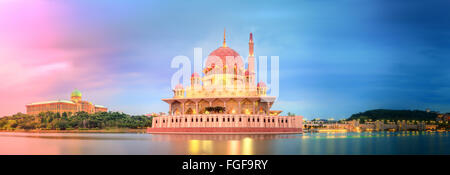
337	57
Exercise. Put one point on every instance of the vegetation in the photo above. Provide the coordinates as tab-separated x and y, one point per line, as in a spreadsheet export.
79	120
394	115
215	109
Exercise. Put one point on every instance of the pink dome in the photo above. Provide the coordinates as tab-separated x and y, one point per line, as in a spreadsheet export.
261	84
222	53
246	73
195	74
178	87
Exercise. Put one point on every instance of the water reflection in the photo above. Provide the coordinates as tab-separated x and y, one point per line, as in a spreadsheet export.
200	147
233	147
247	146
405	142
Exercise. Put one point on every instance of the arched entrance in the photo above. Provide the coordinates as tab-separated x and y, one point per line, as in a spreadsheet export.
189	105
202	105
246	107
232	107
176	108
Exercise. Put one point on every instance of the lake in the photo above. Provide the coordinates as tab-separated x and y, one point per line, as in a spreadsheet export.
366	143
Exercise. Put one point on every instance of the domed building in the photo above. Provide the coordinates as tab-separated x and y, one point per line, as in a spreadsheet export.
76	104
226	83
226	96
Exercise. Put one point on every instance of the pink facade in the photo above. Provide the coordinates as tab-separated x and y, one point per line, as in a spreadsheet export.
216	123
226	130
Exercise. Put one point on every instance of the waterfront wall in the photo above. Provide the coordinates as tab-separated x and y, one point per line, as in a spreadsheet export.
225	130
374	125
227	121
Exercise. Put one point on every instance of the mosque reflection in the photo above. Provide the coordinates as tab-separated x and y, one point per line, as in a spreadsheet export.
407	142
220	144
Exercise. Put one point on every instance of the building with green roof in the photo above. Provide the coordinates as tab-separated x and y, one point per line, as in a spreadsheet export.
76	104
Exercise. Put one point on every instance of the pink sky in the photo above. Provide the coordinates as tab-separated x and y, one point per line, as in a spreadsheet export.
34	66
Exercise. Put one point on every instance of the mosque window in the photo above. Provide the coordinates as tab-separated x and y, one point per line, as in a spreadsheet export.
201	119
233	119
257	120
207	119
248	119
240	119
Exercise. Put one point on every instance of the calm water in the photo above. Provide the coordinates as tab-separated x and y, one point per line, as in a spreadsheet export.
307	143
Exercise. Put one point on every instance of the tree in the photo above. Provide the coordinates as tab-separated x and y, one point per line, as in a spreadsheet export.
386	114
50	120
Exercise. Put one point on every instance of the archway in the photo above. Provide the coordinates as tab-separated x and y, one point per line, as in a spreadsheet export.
190	105
232	107
202	105
246	107
176	108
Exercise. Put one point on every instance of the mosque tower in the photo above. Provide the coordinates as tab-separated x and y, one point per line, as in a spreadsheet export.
251	63
224	43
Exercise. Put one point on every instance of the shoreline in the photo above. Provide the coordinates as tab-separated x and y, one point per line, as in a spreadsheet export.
145	131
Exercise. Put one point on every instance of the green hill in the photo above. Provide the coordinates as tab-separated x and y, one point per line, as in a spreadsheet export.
388	114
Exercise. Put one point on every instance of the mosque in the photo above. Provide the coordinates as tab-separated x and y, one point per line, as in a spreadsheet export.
225	100
76	104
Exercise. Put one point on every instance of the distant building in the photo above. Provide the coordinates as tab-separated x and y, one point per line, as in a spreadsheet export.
76	104
443	117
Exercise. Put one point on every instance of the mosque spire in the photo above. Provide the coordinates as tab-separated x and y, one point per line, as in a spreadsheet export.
250	45
251	62
224	43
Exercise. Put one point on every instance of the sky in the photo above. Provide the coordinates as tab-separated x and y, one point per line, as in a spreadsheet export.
337	57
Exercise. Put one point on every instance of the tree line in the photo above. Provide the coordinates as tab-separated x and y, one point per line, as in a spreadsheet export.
78	120
394	115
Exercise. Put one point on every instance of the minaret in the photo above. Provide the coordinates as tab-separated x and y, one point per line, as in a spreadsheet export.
250	45
251	62
224	43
